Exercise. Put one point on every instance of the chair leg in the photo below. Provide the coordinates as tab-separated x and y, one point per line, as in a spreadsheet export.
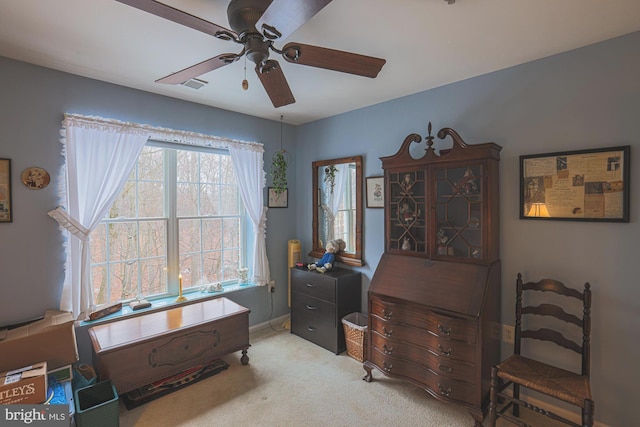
516	394
587	413
493	397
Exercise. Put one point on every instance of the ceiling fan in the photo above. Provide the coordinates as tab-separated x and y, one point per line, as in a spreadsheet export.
256	24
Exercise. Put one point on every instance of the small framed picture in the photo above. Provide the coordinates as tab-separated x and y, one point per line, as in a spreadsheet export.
375	192
278	200
5	190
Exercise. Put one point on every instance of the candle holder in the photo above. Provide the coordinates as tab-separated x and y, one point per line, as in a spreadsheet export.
180	298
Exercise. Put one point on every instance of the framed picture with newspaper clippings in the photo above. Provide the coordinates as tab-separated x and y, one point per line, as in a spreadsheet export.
582	185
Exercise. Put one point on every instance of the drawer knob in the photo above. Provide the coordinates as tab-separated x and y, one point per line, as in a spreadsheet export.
445	392
387	332
443	330
310	285
311	329
446	369
387	314
387	350
311	307
387	366
443	351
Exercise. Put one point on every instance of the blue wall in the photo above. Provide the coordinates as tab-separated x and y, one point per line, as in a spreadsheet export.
32	105
586	98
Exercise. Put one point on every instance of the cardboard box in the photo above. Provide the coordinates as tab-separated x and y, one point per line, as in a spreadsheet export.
24	386
52	339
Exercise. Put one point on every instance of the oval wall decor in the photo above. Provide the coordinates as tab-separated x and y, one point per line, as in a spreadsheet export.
35	178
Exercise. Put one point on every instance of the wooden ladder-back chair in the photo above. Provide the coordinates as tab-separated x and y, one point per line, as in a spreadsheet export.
519	371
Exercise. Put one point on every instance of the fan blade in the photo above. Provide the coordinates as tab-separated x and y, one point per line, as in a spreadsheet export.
283	17
275	83
331	59
178	16
199	69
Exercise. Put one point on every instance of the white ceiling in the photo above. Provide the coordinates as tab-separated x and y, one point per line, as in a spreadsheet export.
427	43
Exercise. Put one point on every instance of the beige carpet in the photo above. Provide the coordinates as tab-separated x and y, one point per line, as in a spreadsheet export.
292	382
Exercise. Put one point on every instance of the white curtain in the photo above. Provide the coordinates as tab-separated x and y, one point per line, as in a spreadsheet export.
248	164
99	158
334	199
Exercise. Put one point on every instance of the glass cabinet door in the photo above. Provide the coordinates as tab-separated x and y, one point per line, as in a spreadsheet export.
407	225
459	212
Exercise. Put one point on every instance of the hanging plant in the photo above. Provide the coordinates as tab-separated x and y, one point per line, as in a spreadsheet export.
330	176
279	171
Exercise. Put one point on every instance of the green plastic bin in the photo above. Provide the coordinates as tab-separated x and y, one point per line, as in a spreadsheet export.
97	405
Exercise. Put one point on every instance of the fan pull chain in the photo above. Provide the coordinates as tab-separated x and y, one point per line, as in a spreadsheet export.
245	83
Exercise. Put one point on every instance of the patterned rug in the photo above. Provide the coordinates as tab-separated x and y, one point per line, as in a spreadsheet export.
168	385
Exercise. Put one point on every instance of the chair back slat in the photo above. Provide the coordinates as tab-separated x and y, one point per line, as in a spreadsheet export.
544	334
552	310
550	285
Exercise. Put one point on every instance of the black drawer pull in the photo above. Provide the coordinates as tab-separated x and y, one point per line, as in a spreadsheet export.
443	351
446	369
387	332
311	329
387	366
443	391
311	307
310	285
443	330
387	314
387	350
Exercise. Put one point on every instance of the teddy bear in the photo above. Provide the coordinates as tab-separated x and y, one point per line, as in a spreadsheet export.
326	262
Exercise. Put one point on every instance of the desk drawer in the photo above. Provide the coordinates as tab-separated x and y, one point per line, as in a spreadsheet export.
439	364
313	284
312	330
445	347
435	383
314	308
440	325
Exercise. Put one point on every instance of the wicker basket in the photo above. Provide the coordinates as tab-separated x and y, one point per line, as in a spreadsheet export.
355	334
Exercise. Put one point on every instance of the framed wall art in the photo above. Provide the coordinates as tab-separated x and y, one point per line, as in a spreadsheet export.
375	192
5	190
278	200
583	185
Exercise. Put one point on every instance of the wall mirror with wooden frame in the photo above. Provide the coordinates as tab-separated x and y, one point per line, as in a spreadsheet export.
337	207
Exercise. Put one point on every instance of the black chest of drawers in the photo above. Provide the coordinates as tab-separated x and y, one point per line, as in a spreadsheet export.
319	301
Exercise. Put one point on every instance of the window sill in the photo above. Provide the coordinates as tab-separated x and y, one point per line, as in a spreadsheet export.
167	303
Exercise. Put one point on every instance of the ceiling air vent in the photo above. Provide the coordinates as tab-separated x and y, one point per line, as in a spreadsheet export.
195	83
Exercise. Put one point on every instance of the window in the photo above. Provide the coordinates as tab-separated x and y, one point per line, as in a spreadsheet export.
180	212
345	225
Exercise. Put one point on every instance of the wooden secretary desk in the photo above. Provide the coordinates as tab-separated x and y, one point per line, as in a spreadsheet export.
434	299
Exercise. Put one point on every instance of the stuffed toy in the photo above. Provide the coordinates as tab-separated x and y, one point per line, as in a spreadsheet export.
328	259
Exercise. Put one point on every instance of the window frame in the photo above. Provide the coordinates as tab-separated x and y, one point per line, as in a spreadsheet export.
172	220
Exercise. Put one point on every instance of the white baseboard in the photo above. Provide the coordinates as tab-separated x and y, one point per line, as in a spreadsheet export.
275	323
